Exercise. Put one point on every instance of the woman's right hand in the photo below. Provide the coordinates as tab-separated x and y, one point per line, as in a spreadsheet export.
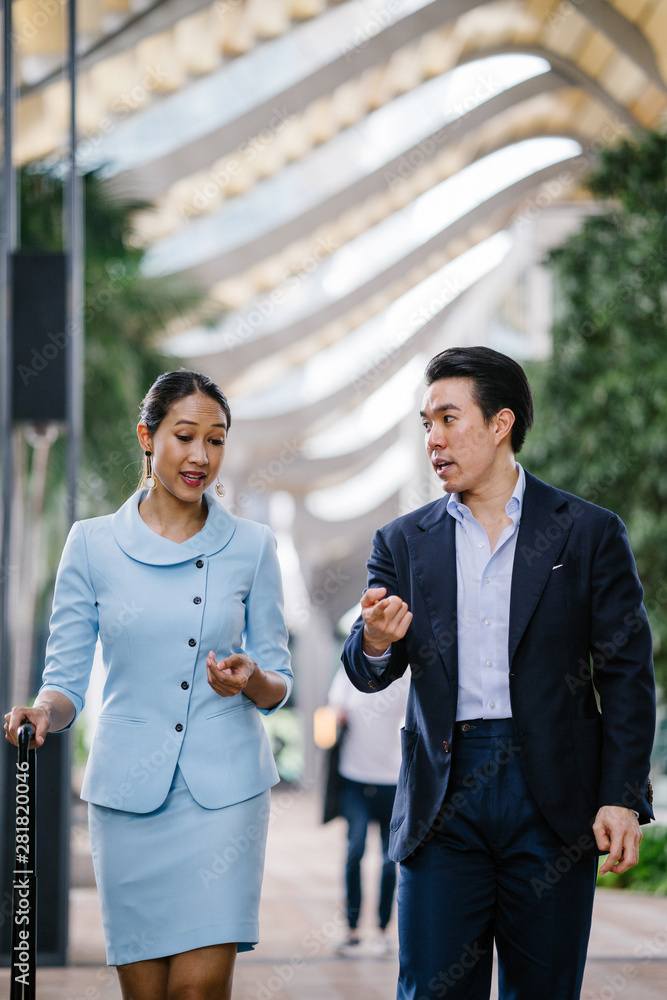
39	715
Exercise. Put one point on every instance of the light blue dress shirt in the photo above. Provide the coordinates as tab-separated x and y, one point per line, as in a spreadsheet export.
484	581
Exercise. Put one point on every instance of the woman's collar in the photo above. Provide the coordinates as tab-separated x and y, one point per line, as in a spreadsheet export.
139	542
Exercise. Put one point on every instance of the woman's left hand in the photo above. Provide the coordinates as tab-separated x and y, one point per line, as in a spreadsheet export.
229	676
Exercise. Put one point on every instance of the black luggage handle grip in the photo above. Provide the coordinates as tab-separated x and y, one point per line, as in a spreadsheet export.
25	734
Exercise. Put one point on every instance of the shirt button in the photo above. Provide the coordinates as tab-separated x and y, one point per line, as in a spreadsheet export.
445	746
192	642
487	579
179	728
480	545
197	600
492	704
487	621
489	663
185	685
199	563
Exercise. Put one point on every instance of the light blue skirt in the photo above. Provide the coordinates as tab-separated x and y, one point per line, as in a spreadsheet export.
179	878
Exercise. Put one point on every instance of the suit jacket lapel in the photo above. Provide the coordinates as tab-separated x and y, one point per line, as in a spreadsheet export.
543	532
433	559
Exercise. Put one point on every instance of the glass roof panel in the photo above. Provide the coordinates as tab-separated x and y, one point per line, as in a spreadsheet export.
353	154
371	346
242	84
382	410
363	493
378	247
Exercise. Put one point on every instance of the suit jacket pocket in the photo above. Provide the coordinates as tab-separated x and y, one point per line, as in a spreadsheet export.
123	719
409	740
237	703
565	573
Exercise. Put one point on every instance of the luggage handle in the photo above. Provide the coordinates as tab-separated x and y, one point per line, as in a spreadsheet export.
24	910
25	734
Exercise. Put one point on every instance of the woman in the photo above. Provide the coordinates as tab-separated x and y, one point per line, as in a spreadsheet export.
187	602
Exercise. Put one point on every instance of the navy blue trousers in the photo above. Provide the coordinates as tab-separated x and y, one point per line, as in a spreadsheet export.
493	871
360	804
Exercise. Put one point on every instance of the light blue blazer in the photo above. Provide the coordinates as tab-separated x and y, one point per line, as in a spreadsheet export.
158	608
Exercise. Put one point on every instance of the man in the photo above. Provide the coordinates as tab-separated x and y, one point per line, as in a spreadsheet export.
531	712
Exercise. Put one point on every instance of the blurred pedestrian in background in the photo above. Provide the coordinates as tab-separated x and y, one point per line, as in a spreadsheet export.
370	759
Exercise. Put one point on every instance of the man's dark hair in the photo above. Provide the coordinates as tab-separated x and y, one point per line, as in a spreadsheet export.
499	382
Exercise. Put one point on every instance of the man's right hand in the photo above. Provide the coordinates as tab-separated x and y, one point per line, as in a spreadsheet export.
386	620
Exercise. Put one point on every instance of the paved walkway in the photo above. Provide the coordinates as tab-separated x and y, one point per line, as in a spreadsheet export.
302	919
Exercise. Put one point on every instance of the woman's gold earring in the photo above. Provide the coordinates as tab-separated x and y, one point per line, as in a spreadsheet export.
220	489
149	479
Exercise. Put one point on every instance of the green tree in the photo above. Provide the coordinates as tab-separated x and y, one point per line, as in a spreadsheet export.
601	400
125	315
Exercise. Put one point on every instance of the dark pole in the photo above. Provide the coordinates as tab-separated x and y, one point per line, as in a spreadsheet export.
8	235
74	247
54	794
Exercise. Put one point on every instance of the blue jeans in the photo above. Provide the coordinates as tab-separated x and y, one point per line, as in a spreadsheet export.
360	804
493	870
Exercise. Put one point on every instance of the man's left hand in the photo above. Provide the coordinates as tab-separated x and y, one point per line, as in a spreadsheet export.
617	830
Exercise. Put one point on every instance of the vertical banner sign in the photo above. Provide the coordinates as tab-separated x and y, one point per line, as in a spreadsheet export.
24	915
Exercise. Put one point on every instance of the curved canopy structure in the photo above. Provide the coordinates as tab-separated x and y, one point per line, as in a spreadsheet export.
357	185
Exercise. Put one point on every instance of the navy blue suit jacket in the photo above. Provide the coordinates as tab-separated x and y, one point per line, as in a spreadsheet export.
584	735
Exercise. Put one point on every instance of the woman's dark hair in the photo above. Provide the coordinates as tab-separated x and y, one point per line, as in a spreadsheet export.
499	382
168	389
